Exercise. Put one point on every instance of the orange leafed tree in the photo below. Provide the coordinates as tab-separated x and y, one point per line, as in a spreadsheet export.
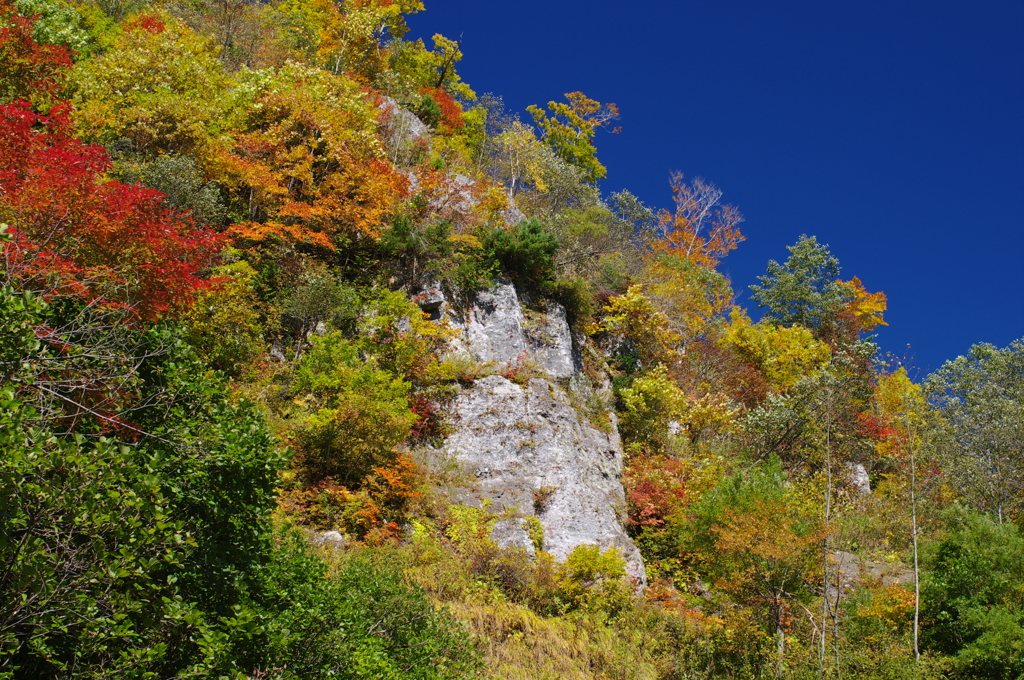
767	553
866	308
700	229
307	164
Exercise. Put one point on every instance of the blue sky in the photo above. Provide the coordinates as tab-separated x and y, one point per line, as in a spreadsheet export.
893	131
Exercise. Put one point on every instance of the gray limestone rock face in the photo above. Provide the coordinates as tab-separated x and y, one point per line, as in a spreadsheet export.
401	130
329	539
857	478
512	533
847	571
430	299
512	214
497	329
532	451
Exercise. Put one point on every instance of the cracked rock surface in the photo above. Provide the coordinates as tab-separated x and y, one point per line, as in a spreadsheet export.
497	329
532	451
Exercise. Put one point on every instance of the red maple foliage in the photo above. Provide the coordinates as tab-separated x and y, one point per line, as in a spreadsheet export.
28	70
74	233
146	22
451	112
655	489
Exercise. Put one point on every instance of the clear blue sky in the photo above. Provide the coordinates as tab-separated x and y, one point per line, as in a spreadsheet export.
894	131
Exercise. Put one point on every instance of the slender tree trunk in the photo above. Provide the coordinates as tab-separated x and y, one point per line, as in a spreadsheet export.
780	640
835	620
828	517
913	527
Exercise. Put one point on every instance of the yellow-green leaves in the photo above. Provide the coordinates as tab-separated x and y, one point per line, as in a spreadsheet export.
225	323
570	129
783	355
634	317
160	85
652	404
521	158
693	297
347	36
656	409
357	413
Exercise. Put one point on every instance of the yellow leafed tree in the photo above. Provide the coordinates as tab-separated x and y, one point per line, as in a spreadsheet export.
782	355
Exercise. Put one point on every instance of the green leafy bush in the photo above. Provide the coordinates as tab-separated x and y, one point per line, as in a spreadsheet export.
119	555
226	321
428	110
457	260
88	544
58	23
526	252
319	297
154	556
181	181
973	598
358	412
357	619
575	295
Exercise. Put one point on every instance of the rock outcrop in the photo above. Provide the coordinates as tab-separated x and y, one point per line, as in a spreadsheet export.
498	330
857	478
531	450
847	572
403	133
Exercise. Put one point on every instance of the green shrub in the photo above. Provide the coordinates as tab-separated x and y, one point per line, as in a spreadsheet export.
357	413
58	24
181	181
319	297
154	556
225	323
526	252
88	543
973	597
575	295
428	110
358	620
120	557
457	260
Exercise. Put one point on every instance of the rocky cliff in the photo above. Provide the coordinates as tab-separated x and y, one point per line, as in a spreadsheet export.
529	443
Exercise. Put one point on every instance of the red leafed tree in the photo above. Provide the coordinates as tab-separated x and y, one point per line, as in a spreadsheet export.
76	234
28	70
72	232
656	488
451	112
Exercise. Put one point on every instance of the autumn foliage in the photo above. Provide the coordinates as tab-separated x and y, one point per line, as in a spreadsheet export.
79	235
699	229
28	70
313	208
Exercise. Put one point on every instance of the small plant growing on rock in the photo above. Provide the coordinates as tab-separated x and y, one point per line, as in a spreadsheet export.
522	369
535	530
541	498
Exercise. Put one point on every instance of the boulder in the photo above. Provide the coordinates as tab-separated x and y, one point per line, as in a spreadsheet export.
512	533
857	478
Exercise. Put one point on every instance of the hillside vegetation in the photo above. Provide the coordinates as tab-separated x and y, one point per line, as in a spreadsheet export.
218	219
